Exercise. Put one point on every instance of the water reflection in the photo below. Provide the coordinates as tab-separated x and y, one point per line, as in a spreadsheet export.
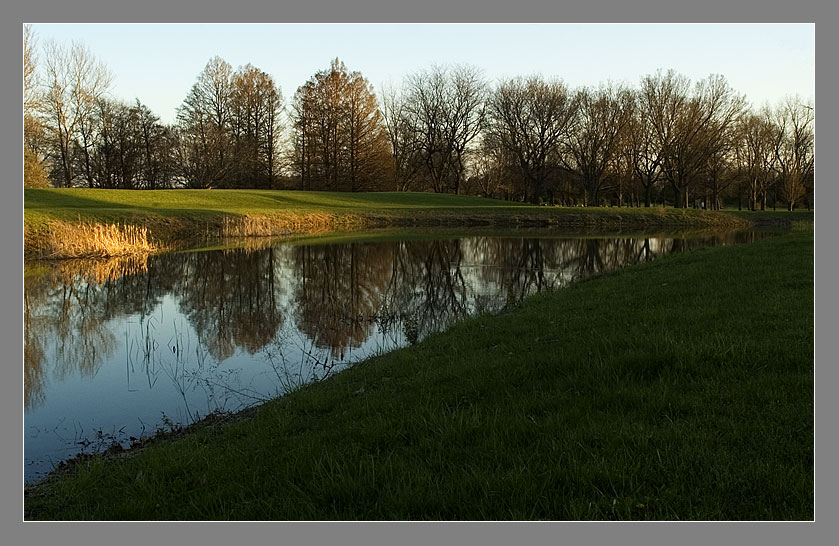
230	298
118	342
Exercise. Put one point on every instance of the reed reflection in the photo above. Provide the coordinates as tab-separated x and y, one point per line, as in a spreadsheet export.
66	309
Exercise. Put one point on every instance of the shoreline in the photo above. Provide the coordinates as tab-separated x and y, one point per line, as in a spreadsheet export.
82	222
72	224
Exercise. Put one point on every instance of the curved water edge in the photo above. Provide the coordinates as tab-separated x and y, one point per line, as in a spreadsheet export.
54	238
118	350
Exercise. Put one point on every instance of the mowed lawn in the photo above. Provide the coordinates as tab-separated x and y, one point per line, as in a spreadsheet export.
41	205
677	389
114	204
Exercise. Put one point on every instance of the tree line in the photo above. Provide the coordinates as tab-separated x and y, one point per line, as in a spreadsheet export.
446	129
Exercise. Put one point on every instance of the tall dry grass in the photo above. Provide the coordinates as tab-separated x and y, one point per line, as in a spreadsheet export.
84	240
272	226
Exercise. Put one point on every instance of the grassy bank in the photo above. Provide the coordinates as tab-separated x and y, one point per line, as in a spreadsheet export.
798	219
677	389
178	217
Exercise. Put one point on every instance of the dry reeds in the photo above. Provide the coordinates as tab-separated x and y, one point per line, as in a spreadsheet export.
83	240
250	244
273	226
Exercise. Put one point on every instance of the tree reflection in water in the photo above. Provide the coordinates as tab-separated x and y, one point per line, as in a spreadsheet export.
297	311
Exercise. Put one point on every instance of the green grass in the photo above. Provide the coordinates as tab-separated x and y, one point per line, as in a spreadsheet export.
677	389
779	216
120	204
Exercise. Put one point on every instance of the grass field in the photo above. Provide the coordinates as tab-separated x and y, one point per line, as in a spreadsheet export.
187	215
118	204
678	389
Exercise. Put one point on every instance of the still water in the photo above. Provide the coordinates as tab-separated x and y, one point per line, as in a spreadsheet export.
117	350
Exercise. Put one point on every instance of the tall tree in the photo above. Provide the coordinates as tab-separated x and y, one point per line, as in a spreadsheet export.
687	123
643	151
255	104
75	81
663	97
204	120
754	151
157	160
30	75
34	174
367	153
794	148
496	171
129	148
602	115
719	172
127	144
446	108
340	138
528	119
406	155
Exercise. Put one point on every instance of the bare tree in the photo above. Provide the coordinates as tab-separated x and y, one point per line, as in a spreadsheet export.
602	115
302	138
794	149
663	97
467	115
528	119
445	106
272	128
755	145
720	172
31	97
75	81
319	111
724	108
426	110
404	143
204	119
686	123
496	174
643	151
33	130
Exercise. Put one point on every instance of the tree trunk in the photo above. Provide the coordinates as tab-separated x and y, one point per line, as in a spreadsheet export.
679	197
591	194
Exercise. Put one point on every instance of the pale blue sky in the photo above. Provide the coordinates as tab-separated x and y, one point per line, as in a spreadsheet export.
159	63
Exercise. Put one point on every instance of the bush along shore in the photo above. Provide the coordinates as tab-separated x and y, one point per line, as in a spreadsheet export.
99	223
680	389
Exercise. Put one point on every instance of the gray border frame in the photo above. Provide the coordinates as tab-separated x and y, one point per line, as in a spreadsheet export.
381	11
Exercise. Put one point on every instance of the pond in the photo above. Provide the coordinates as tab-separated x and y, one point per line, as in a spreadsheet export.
117	350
